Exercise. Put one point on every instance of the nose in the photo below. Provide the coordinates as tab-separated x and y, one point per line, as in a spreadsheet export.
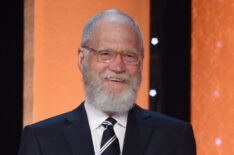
117	65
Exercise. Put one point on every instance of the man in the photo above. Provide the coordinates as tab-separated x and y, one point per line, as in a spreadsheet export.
109	122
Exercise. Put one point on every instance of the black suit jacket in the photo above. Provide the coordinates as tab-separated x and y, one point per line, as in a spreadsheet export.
147	133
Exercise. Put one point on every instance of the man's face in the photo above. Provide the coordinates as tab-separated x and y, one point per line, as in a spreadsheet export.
115	81
117	37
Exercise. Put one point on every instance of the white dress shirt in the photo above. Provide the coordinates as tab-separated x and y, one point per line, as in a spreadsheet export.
95	119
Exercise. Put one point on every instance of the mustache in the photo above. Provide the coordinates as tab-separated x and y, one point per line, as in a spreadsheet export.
112	75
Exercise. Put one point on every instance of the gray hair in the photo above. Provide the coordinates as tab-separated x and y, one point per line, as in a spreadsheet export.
112	15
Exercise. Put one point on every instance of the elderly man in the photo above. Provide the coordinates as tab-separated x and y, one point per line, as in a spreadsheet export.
109	122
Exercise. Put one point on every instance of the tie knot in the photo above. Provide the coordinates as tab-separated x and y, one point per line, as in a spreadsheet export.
109	122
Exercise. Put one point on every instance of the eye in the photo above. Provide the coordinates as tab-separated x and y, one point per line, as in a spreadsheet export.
130	55
105	55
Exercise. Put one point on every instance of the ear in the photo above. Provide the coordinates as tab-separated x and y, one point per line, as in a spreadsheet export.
141	63
80	58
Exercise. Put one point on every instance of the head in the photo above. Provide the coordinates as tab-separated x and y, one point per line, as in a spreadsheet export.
111	86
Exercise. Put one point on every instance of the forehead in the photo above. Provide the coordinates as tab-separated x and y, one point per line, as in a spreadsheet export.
115	35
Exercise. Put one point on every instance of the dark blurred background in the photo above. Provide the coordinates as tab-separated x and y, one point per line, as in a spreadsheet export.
11	75
169	63
170	57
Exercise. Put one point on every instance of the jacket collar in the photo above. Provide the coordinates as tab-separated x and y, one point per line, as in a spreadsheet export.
138	132
78	135
77	132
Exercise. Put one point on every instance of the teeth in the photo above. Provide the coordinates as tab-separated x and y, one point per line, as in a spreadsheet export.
115	79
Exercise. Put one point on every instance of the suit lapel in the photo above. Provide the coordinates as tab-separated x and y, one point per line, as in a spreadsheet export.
77	132
138	132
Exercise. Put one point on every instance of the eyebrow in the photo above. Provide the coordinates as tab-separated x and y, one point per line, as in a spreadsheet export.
127	50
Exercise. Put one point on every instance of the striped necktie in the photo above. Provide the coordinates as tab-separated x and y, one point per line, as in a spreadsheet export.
109	143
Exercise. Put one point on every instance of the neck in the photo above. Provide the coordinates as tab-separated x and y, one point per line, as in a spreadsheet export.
110	113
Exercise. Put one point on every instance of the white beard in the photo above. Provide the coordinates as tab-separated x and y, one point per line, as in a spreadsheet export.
105	101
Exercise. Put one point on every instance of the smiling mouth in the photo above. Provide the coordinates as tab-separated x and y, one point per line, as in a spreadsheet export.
115	79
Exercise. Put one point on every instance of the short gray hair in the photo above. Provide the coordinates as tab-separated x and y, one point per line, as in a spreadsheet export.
112	15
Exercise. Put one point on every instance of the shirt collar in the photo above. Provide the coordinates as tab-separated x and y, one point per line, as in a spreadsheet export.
96	117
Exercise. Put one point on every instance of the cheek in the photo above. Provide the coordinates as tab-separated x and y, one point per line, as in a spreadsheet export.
133	70
98	67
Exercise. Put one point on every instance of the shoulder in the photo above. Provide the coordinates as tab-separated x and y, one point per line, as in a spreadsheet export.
158	120
58	122
174	136
166	126
48	126
155	117
52	121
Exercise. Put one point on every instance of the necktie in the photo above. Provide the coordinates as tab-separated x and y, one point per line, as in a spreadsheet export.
109	143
